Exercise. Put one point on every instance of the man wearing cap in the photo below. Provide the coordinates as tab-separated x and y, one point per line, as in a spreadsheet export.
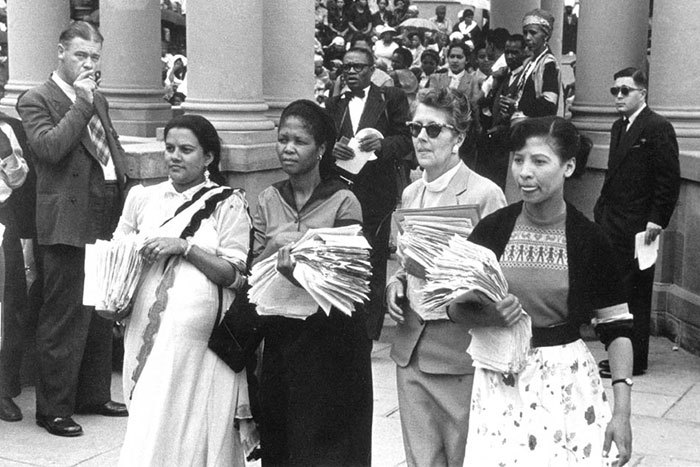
440	20
80	170
538	85
638	197
365	105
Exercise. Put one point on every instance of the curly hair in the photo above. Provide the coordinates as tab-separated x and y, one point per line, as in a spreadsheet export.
451	101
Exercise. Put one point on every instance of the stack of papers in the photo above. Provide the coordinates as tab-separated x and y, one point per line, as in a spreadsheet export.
332	266
112	272
460	270
423	233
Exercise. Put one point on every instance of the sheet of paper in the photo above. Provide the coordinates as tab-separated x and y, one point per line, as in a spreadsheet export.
645	254
355	164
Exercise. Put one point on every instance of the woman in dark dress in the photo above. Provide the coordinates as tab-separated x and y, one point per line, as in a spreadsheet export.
316	382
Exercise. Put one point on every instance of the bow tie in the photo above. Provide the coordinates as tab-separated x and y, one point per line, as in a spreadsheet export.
350	94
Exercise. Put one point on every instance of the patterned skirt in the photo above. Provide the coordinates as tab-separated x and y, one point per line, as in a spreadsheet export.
553	413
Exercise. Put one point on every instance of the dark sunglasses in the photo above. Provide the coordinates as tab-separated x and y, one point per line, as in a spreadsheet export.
622	89
358	67
432	129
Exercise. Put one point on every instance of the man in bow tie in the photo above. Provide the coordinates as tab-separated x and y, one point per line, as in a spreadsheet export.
364	105
80	181
639	194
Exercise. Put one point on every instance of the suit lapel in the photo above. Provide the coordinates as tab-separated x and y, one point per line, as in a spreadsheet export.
61	102
343	125
625	141
374	106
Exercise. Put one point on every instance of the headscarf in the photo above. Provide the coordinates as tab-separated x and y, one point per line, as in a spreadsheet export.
541	18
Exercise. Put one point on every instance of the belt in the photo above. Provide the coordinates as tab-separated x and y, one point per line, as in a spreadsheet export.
558	334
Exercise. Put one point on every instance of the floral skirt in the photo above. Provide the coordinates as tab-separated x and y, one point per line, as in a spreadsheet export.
553	413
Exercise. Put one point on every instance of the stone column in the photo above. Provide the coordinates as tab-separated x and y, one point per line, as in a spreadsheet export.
556	8
225	84
287	53
613	36
131	66
32	37
509	14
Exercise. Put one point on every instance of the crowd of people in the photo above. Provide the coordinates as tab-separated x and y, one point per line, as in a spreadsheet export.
477	99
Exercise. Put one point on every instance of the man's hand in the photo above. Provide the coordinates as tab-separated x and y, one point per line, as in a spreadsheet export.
506	106
370	143
85	85
395	297
652	231
342	151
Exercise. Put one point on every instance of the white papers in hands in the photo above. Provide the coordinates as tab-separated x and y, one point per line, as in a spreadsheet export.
645	254
332	266
355	164
112	272
462	269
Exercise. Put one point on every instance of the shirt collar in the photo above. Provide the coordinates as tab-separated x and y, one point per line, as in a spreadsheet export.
456	76
186	195
65	87
636	113
441	183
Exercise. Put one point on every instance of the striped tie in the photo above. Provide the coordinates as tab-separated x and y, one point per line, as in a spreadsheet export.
99	139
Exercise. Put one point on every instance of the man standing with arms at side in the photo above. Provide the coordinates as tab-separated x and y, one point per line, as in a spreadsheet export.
639	194
80	181
386	110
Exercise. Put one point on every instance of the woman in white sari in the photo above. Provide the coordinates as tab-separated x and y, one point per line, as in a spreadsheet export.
183	400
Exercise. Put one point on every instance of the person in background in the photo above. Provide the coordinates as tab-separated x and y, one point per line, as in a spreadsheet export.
434	372
17	199
316	379
184	401
416	48
570	30
639	194
401	13
538	85
384	48
81	177
382	17
457	76
470	31
359	18
440	20
338	20
428	65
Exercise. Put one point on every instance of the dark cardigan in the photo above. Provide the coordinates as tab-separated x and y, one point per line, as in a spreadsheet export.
594	281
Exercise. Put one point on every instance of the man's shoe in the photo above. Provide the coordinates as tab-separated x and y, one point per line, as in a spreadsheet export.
604	365
9	410
108	409
59	426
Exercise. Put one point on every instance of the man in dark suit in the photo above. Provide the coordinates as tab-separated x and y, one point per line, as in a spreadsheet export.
17	193
364	105
639	194
80	181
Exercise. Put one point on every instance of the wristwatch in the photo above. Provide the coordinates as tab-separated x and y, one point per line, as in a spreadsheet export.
627	381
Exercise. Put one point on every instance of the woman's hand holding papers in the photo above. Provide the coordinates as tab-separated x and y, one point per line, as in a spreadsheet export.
286	264
395	297
477	310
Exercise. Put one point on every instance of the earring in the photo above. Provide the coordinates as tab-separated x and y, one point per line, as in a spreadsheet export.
206	174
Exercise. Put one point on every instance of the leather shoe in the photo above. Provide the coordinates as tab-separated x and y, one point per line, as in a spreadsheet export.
9	410
59	426
108	409
604	365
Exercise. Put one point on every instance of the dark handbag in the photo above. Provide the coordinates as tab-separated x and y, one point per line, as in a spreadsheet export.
235	338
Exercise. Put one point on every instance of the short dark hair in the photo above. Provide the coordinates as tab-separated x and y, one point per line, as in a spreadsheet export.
406	56
498	37
358	37
207	136
467	12
316	120
431	53
561	135
517	38
365	52
452	101
465	48
81	29
637	75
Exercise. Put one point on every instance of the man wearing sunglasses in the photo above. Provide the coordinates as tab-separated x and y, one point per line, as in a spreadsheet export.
639	194
364	105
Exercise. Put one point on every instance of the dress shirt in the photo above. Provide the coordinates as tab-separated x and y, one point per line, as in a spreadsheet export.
455	79
634	116
431	195
107	169
356	106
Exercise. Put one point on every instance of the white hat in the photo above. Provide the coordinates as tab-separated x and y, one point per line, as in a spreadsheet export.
338	40
381	29
456	36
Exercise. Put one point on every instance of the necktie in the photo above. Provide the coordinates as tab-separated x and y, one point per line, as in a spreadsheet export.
99	139
350	94
625	124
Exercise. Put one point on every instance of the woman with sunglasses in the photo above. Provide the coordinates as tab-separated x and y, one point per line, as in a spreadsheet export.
434	371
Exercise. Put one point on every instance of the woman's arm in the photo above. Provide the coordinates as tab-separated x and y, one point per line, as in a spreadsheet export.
481	312
619	428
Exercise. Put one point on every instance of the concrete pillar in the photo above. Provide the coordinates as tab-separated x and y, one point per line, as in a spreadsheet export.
614	36
556	8
509	14
673	84
131	66
32	38
225	84
287	53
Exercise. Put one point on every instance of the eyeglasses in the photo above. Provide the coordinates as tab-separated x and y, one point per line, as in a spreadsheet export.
358	67
432	129
622	89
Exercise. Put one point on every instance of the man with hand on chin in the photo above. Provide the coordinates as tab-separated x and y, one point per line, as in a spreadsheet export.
80	182
639	194
364	105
